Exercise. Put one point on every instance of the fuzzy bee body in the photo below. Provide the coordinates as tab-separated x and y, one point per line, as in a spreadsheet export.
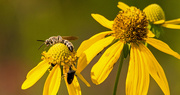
60	39
68	44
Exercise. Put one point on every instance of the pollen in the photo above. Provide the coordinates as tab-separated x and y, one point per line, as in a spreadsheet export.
130	25
59	54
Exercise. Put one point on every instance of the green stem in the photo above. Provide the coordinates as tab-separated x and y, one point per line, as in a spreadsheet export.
118	73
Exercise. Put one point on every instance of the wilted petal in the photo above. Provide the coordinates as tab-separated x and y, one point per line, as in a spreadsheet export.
35	74
162	47
92	51
74	87
155	70
103	21
172	26
87	43
53	81
103	67
122	6
137	81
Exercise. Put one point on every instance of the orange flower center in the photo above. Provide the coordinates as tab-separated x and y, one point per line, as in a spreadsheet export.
130	25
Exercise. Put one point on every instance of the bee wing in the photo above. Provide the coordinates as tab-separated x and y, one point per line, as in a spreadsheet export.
69	37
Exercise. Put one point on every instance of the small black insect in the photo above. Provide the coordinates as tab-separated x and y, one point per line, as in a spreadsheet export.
70	75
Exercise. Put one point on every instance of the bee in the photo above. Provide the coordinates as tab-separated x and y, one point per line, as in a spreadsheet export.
59	39
70	75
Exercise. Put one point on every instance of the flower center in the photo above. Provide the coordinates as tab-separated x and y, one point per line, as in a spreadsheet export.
154	13
130	25
60	54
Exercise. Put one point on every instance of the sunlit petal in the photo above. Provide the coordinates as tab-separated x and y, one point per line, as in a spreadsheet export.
103	21
53	81
40	65
103	67
150	34
172	26
155	70
35	74
162	47
137	81
74	87
87	43
122	6
92	51
174	21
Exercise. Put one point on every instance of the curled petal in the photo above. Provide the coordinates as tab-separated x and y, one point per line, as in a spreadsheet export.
122	6
87	43
175	21
53	81
137	81
162	47
35	74
155	69
92	51
103	67
103	21
74	87
172	26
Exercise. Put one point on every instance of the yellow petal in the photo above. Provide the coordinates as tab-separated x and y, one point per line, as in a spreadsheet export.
159	22
175	21
150	34
122	6
172	26
40	65
35	74
82	78
162	47
155	70
74	87
103	67
137	81
53	81
103	21
92	51
87	43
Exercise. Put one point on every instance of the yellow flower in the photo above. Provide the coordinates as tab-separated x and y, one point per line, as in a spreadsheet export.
57	56
129	27
155	15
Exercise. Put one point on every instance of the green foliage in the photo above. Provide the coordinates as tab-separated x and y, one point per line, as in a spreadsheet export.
156	29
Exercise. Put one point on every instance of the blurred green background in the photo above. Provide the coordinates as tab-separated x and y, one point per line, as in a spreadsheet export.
22	22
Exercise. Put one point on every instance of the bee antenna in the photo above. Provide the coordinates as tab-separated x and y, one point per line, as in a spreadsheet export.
41	40
40	46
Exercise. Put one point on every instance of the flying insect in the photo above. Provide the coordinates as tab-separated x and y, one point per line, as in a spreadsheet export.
59	39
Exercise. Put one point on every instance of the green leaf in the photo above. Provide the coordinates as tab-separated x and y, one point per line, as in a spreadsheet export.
156	29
